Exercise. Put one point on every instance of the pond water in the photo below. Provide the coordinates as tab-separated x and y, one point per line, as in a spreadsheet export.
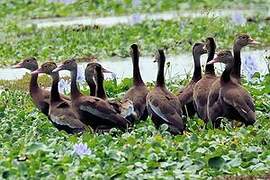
135	18
180	65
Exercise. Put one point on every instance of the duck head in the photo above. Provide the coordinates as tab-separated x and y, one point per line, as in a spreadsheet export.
134	49
210	44
225	57
243	40
28	63
91	73
69	65
46	68
159	56
199	48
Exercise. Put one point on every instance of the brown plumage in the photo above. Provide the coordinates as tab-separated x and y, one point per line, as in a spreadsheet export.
240	42
40	97
95	82
164	107
61	114
138	92
233	101
92	110
202	87
186	95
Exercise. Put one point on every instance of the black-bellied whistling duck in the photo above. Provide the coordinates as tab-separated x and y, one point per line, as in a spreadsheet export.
185	96
202	87
39	96
138	92
164	107
61	113
92	110
95	82
91	77
233	102
240	42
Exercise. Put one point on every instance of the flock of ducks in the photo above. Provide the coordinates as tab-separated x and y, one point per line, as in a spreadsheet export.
210	96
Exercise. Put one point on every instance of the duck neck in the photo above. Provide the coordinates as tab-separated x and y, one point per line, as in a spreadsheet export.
137	79
209	68
92	87
55	96
160	76
33	86
236	70
74	88
100	89
226	75
197	73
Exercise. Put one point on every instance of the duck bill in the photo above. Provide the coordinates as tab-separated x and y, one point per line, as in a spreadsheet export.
59	68
215	60
19	65
106	71
205	49
37	71
252	41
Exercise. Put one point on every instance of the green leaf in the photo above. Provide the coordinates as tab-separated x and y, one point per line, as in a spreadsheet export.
216	162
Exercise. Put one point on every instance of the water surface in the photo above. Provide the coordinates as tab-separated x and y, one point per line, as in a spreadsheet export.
180	65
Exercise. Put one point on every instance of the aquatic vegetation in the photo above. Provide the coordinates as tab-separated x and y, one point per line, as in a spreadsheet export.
32	148
56	8
65	42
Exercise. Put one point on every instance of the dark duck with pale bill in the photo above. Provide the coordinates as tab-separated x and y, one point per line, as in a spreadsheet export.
234	102
163	106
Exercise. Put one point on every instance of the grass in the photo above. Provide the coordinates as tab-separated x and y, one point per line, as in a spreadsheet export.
65	42
33	148
42	8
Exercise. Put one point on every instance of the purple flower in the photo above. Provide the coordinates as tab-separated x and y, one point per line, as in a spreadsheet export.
136	18
62	1
238	18
64	86
250	66
82	149
80	75
136	3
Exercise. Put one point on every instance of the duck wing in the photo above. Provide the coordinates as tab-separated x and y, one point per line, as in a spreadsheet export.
165	107
102	109
65	118
241	100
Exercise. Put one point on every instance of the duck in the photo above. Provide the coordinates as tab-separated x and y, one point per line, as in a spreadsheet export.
40	97
202	87
91	78
241	41
233	102
61	113
185	95
95	82
93	111
138	92
163	106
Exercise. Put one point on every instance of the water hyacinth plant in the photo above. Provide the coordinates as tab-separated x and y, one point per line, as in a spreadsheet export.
250	66
64	86
81	149
32	148
238	18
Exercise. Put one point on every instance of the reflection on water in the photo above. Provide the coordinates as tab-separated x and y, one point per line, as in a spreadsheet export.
180	65
129	19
